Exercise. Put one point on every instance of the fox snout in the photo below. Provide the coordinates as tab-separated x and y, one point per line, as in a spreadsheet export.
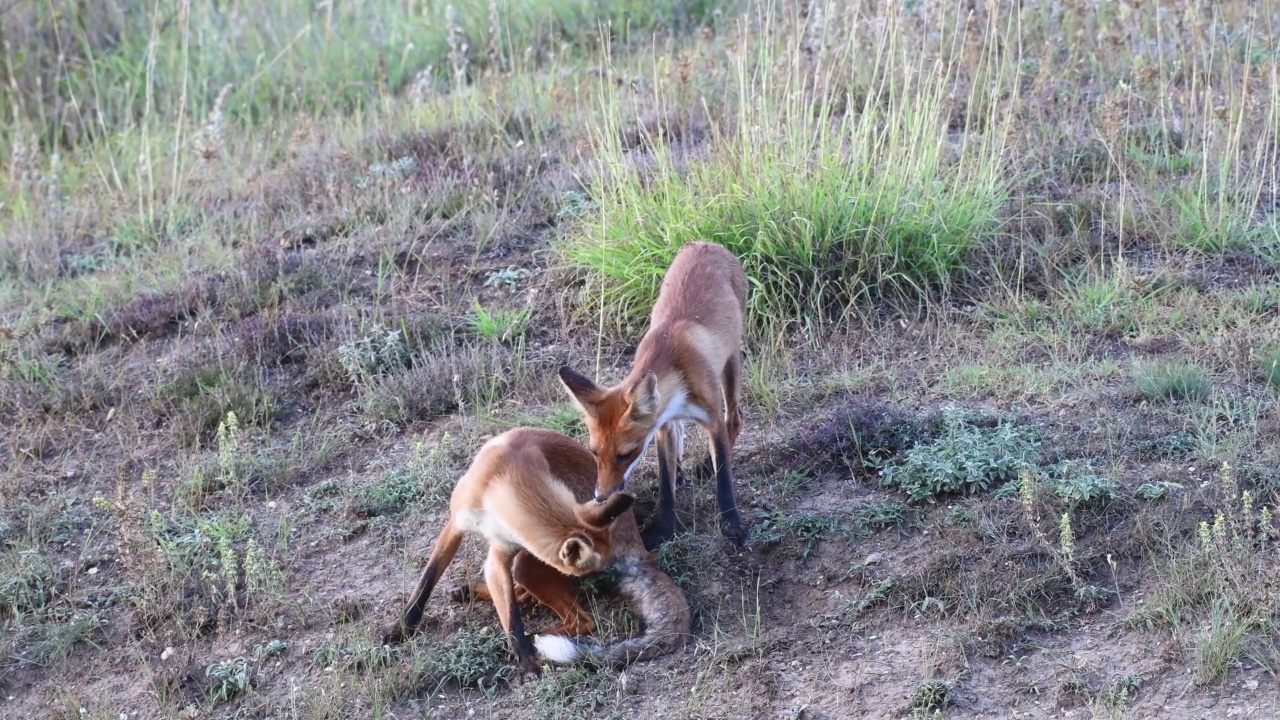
603	495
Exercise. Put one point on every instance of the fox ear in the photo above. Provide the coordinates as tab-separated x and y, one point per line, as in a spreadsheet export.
600	515
573	549
644	396
583	390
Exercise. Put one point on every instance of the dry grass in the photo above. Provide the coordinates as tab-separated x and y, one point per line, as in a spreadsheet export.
371	231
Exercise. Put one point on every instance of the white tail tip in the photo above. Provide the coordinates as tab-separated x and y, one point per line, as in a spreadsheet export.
556	648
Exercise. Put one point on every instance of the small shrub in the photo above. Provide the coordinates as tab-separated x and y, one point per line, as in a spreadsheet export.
389	495
379	351
1155	491
877	594
806	528
961	516
199	401
268	650
965	458
229	678
509	277
881	514
1173	381
1078	485
931	695
427	478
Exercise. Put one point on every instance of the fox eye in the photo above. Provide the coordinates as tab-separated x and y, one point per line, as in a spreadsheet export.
623	457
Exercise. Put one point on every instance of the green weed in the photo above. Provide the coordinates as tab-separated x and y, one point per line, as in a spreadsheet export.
469	658
229	679
1077	485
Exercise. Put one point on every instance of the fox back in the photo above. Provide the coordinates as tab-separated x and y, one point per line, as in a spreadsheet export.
511	496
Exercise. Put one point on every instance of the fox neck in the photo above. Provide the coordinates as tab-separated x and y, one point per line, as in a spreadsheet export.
673	405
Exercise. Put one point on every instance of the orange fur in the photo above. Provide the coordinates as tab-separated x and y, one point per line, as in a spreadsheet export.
515	494
688	366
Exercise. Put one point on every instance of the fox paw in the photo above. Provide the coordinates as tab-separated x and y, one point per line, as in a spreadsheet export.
736	533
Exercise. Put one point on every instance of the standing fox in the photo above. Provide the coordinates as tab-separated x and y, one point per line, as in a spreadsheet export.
688	367
521	494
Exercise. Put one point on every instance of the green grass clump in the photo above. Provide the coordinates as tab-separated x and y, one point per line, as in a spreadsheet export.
828	202
1177	380
965	457
814	242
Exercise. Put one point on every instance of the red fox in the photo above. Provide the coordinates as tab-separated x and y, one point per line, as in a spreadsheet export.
688	366
521	492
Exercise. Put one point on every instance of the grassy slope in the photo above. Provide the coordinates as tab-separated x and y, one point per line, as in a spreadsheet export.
1065	215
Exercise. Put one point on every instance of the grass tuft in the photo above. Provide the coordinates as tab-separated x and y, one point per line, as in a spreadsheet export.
1176	380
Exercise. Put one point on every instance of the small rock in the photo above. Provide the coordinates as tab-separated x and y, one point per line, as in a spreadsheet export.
1251	685
168	653
874	558
93	570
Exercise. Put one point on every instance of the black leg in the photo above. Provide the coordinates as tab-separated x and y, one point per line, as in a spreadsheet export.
663	527
730	522
502	591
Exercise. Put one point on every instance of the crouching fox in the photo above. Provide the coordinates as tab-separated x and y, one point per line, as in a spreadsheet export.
522	493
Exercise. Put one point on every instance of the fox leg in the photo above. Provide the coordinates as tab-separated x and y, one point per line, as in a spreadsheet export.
552	588
497	576
730	521
480	591
441	555
543	584
663	527
732	410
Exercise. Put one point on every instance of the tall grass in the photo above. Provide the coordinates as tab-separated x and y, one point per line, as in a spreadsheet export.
80	70
839	175
866	156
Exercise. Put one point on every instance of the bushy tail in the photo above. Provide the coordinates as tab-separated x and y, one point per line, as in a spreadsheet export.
658	602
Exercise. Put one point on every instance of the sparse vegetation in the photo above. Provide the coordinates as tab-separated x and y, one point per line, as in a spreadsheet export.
269	274
471	658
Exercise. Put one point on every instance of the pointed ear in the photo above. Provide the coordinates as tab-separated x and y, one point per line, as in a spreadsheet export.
584	392
599	515
574	548
644	397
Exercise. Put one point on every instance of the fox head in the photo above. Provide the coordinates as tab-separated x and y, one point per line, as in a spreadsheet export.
588	551
620	424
